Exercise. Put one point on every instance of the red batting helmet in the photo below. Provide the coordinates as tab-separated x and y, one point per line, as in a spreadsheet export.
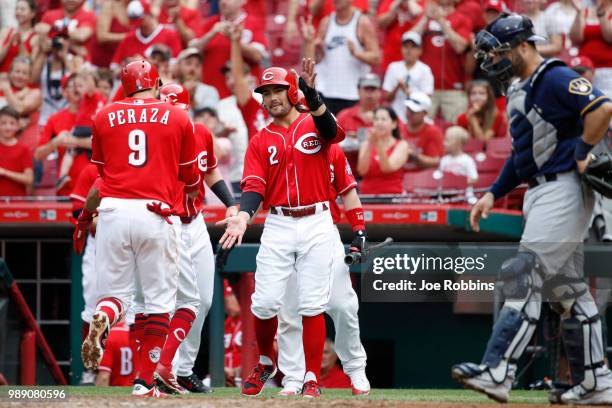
175	94
280	76
137	76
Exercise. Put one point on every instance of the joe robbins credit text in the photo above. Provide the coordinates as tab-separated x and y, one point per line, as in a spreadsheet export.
446	285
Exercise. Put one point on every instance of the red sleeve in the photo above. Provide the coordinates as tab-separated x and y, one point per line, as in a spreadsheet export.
340	133
49	17
83	184
258	35
109	353
97	157
208	25
462	121
188	169
254	175
26	158
501	124
210	149
47	132
463	26
343	176
434	145
87	19
192	19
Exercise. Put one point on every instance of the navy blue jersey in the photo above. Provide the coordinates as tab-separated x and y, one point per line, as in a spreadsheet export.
545	116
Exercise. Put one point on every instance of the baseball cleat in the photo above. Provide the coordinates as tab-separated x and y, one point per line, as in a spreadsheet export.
477	378
601	395
359	383
291	388
143	390
311	390
252	386
193	383
92	349
166	381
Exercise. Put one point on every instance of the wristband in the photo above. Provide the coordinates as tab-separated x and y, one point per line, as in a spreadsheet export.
222	192
249	202
582	150
356	218
313	99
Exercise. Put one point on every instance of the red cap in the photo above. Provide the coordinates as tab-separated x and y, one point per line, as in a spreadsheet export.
496	5
175	94
581	63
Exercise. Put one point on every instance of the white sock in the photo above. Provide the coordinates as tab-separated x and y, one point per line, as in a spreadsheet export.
310	377
265	360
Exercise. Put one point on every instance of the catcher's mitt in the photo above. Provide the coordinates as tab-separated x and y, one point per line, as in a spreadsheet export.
598	175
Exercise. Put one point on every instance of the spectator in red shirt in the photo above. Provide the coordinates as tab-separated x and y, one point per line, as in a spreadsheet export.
332	375
472	9
446	36
232	338
592	32
112	26
426	139
583	67
357	119
383	155
16	174
21	40
117	368
396	17
186	21
15	92
148	33
72	18
483	120
215	43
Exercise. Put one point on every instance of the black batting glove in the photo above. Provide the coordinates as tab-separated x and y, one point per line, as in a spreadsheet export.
313	99
360	242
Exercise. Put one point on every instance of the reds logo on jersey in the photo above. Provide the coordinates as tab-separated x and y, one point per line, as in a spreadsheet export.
203	161
308	143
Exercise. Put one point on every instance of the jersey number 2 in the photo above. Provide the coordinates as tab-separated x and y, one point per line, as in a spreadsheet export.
137	141
272	150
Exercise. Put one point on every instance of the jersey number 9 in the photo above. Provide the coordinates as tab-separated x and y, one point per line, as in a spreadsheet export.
137	141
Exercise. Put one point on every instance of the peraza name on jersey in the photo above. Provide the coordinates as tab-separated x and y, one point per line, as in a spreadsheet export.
146	115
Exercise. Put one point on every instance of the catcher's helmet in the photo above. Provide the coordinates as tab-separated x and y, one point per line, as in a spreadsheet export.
504	33
175	94
280	76
137	76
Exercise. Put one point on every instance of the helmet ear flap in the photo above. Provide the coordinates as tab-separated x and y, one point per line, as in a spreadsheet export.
292	92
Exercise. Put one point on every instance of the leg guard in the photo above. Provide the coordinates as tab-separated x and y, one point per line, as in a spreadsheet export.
583	345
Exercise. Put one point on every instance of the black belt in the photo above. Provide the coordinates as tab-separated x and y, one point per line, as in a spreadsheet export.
547	177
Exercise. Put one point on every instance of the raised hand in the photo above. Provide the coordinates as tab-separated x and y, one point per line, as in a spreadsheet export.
308	73
308	30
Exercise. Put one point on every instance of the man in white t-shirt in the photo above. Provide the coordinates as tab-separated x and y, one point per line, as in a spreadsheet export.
456	161
408	75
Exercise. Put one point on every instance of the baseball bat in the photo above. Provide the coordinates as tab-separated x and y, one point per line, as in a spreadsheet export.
357	257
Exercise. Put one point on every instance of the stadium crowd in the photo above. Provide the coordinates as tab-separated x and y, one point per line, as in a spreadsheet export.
399	74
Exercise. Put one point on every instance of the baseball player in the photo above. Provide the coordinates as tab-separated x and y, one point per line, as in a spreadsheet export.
555	118
142	146
196	263
287	170
117	367
343	303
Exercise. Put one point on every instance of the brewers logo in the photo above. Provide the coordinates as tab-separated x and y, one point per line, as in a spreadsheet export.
580	86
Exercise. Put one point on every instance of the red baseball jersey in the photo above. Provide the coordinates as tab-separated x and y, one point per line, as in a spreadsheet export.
342	179
83	184
136	44
254	115
89	106
14	157
206	162
289	166
233	341
137	141
118	358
